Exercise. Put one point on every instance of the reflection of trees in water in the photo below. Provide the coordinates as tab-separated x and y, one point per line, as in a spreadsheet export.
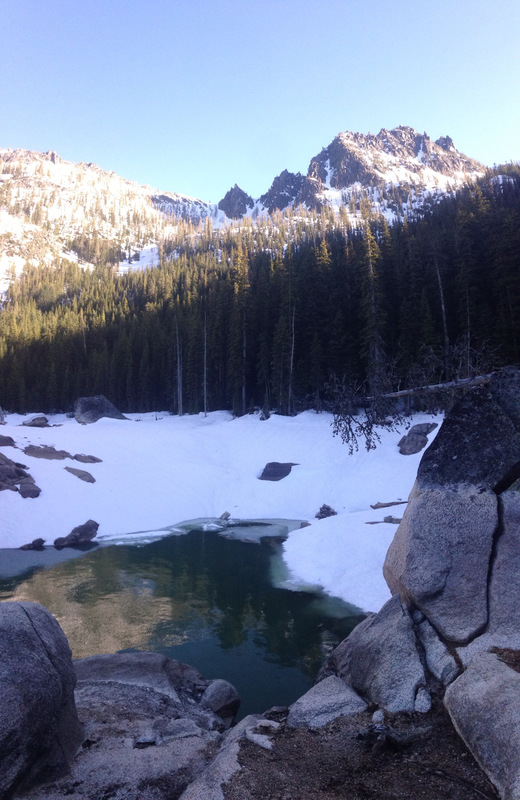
180	588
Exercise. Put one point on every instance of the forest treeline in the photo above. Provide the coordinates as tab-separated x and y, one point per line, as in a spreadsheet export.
270	313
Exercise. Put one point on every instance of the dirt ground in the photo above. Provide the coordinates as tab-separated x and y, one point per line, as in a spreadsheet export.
417	757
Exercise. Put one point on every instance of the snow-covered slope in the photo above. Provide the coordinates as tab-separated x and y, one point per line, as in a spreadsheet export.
158	470
51	208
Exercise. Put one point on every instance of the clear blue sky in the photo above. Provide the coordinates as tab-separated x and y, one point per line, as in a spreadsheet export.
194	95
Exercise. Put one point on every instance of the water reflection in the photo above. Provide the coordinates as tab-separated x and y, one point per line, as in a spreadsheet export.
200	598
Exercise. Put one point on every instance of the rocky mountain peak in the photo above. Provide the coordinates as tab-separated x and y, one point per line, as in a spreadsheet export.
284	190
235	203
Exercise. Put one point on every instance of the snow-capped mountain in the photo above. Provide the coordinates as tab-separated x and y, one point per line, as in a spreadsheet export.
396	171
54	208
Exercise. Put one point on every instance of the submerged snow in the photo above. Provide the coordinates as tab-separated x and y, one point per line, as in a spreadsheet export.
158	470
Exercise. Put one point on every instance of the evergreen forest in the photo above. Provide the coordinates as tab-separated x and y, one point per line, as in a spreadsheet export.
272	313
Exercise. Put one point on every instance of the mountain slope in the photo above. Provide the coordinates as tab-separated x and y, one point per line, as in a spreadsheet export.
397	170
51	208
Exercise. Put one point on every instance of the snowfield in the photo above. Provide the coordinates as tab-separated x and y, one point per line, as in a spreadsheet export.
158	470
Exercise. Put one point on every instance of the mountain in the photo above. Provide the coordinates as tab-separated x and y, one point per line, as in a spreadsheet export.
397	171
51	208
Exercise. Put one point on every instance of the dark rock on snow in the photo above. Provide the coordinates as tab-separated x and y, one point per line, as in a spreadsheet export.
46	451
275	471
7	441
13	476
37	422
81	535
416	439
85	459
326	511
82	474
90	409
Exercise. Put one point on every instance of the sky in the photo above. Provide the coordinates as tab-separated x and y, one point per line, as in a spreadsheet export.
193	96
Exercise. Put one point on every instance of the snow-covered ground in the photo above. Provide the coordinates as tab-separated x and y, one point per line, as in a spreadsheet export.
158	470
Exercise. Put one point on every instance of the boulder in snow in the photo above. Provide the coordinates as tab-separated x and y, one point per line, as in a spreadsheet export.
90	409
275	470
37	422
80	535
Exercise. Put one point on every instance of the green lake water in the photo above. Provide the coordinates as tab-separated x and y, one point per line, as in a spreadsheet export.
213	602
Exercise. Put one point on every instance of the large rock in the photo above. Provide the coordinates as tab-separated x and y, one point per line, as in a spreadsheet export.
484	705
79	536
37	422
379	659
442	552
39	727
222	698
439	558
276	470
90	409
477	444
327	700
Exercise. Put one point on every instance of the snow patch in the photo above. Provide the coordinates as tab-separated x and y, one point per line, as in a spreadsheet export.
158	470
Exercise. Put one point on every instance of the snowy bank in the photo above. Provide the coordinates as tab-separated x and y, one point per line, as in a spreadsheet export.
158	470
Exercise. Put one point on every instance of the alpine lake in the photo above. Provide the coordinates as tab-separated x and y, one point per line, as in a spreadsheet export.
216	597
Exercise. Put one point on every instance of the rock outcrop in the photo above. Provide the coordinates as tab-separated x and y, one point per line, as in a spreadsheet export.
453	572
327	700
150	731
235	203
39	727
14	477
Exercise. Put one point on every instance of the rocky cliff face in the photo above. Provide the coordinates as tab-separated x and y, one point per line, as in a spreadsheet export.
283	191
401	159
